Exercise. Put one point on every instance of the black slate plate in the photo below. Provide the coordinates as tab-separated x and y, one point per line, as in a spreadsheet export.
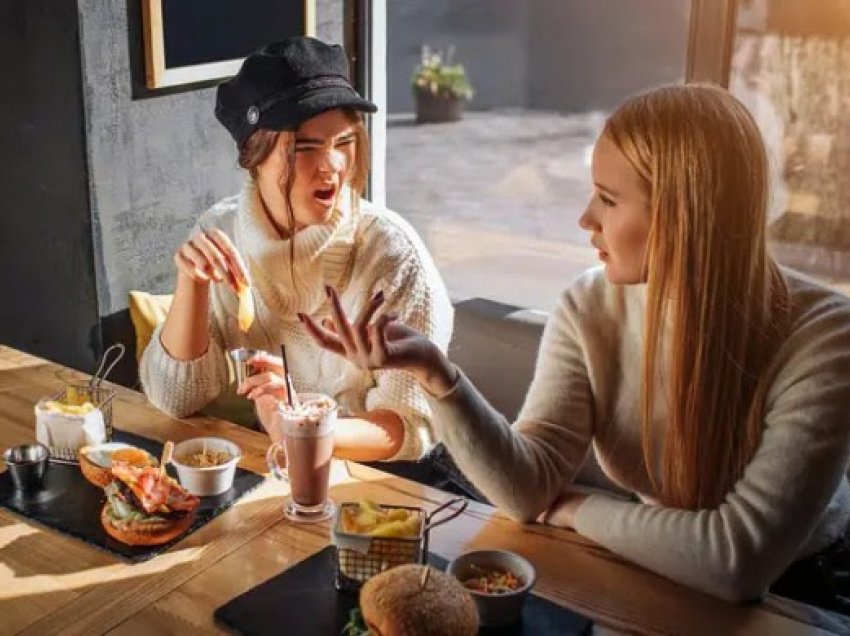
70	504
303	600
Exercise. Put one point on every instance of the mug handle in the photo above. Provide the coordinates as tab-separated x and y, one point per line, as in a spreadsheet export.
271	461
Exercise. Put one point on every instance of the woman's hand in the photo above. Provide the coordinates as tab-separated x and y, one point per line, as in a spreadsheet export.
383	343
266	389
211	256
270	381
563	512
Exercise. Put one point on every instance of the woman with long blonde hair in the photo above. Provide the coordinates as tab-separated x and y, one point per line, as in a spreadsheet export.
708	381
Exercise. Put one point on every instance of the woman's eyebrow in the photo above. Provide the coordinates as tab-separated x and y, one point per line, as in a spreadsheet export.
314	140
606	189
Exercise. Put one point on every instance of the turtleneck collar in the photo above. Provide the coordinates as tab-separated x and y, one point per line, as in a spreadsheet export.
264	241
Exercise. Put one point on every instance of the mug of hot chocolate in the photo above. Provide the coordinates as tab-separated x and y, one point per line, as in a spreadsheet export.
307	441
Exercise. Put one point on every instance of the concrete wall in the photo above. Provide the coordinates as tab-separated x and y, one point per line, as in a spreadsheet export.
155	161
569	55
48	302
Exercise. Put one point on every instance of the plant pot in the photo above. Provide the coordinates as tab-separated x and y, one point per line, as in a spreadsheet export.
431	108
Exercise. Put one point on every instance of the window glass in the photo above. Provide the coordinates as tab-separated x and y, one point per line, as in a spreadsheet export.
790	67
497	194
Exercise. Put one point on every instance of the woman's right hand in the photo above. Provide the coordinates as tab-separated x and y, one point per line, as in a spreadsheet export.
211	256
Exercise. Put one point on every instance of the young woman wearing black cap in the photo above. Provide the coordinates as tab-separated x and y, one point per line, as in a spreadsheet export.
298	228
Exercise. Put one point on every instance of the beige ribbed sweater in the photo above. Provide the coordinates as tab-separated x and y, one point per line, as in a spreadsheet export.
792	500
358	254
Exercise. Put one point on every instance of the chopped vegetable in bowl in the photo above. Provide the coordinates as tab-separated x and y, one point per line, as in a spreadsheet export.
492	581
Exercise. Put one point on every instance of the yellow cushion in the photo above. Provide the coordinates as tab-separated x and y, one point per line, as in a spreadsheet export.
147	311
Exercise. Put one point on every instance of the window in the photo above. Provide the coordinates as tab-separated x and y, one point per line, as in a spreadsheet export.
789	66
497	195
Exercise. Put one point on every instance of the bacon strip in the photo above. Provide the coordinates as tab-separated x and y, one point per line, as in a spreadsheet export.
155	491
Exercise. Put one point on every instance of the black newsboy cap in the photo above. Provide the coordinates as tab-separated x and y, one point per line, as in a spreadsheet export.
284	84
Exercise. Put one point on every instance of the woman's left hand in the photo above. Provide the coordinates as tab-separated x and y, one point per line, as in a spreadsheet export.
383	343
266	389
269	381
563	512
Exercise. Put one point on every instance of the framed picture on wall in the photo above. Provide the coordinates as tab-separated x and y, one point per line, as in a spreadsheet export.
189	41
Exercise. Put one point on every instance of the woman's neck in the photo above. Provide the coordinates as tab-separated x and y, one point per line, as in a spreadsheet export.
280	222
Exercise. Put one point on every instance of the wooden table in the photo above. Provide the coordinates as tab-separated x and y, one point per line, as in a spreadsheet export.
52	583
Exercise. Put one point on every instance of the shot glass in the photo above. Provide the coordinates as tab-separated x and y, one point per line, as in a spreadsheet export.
240	359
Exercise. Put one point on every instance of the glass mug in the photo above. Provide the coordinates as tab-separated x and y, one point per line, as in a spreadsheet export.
307	432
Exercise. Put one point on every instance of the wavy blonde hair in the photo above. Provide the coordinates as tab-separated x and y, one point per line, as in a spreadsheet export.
711	284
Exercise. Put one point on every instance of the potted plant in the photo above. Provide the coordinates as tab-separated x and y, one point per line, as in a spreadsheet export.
439	89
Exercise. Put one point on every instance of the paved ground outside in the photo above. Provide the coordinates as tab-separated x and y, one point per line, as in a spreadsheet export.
497	197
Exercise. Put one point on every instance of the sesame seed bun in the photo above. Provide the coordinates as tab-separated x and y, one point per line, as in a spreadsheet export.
394	603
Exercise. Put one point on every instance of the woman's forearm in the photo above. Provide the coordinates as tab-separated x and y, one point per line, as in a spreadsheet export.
372	436
435	373
185	334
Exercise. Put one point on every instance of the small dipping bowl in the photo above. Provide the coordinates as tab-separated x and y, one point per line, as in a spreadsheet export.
26	464
208	480
495	609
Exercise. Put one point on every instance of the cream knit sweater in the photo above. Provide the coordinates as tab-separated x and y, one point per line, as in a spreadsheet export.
358	254
792	500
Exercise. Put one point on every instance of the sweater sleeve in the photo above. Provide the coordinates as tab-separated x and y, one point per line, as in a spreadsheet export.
738	549
524	467
421	302
183	387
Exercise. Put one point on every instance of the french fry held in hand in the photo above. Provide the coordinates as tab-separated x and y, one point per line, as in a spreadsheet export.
370	519
245	315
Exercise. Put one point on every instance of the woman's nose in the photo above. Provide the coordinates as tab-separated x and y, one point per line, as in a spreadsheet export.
587	221
332	161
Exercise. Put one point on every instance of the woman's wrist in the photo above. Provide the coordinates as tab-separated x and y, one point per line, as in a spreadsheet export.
439	376
185	334
188	285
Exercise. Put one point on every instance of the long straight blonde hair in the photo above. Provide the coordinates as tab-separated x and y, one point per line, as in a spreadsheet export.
711	284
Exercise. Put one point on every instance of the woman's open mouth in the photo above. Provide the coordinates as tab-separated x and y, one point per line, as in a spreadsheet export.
325	196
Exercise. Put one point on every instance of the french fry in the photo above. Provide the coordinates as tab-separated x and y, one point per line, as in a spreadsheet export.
69	409
372	519
246	312
73	396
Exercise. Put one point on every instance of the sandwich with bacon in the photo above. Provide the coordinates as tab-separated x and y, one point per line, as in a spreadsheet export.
145	506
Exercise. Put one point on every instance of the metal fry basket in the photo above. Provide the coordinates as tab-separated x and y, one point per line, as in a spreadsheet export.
361	556
98	395
93	391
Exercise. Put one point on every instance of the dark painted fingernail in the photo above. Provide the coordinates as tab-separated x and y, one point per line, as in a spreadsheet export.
379	297
301	316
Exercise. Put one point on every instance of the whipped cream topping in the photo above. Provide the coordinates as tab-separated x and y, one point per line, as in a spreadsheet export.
313	415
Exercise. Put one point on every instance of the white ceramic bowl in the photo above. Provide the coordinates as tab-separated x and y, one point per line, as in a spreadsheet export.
496	609
210	480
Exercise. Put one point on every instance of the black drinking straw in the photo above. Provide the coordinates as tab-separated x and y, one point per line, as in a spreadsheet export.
286	377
